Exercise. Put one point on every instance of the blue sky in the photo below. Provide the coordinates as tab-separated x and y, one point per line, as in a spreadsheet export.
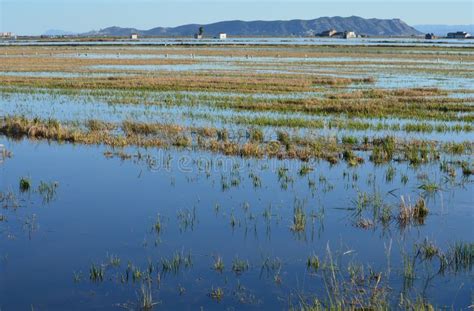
37	16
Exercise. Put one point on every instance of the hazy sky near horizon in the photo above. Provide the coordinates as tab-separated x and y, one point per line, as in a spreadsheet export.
37	16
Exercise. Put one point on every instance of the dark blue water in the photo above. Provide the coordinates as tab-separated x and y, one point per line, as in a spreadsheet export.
108	206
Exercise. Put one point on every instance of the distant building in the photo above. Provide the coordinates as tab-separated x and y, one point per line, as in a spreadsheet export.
7	35
430	36
134	36
333	33
459	35
222	36
349	34
200	33
344	35
327	33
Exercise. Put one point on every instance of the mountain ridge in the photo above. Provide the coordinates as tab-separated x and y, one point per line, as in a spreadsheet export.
295	27
442	30
58	32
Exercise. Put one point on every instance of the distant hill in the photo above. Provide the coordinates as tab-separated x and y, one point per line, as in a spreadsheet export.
57	32
370	27
442	30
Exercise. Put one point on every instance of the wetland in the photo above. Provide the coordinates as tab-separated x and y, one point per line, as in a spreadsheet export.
236	176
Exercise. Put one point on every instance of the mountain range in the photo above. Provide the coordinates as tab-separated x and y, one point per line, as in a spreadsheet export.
362	26
58	32
442	30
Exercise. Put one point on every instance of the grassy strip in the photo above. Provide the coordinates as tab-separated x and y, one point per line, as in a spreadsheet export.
403	103
251	143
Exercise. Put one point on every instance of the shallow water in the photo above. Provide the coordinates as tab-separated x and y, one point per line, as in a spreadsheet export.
200	113
259	41
108	206
385	75
434	62
103	213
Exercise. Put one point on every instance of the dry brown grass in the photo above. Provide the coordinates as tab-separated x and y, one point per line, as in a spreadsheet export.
412	213
177	82
80	65
211	139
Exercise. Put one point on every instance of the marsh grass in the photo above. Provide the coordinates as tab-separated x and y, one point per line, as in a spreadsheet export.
305	169
461	256
418	304
218	264
176	262
383	150
299	217
113	260
467	169
216	294
145	297
412	213
256	135
346	289
96	273
9	200
239	266
157	226
313	263
365	223
429	250
350	157
429	187
390	174
168	135
48	190
266	126
25	184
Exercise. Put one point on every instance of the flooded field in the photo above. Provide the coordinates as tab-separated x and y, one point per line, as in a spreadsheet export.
237	176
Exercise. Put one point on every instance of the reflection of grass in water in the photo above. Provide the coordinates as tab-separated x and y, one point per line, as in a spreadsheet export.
176	262
313	262
408	271
96	273
351	288
239	266
47	190
467	169
461	256
305	169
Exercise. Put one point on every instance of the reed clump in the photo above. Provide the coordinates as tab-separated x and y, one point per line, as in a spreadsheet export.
412	213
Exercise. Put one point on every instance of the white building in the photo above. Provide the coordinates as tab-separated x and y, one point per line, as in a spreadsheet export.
222	36
7	35
350	34
134	36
